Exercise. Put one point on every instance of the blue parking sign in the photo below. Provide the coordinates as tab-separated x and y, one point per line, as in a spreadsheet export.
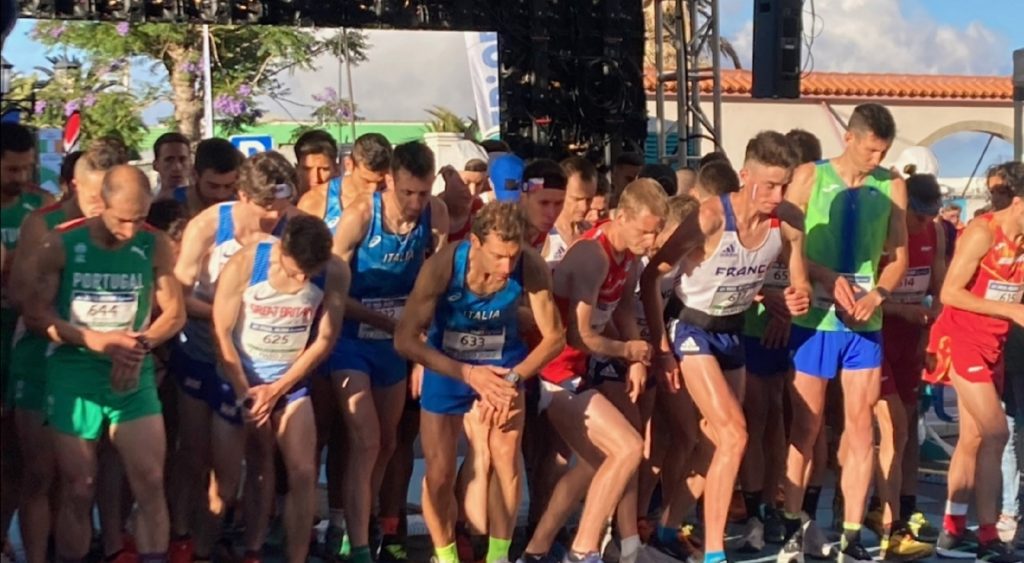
252	144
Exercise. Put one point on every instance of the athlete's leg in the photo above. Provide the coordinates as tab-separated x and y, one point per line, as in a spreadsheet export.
189	480
363	432
892	426
110	497
258	491
390	404
329	435
756	403
718	397
682	459
983	436
228	448
774	437
296	438
860	394
586	420
656	446
503	446
10	486
807	403
439	435
627	511
142	445
472	482
395	490
76	463
911	454
37	484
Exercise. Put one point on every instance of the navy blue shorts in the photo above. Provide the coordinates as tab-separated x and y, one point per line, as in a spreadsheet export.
726	347
376	358
602	369
196	378
766	362
229	410
823	353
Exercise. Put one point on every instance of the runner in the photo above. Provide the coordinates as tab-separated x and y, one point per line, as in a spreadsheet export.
269	297
855	210
742	237
580	189
28	357
599	205
370	158
462	204
542	196
467	299
385	237
589	287
97	281
316	162
714	179
213	178
907	315
265	188
172	161
981	297
475	176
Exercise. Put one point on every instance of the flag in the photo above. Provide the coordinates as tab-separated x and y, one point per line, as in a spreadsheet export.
482	52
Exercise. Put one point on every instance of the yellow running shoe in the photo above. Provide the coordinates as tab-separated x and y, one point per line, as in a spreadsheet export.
901	545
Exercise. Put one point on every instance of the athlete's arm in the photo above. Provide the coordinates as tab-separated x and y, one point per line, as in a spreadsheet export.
939	266
687	237
798	293
336	284
40	311
199	236
19	276
439	223
167	295
626	328
431	284
227	304
352	229
537	285
899	256
586	267
971	247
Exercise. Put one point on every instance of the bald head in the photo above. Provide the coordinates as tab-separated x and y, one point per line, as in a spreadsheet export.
126	182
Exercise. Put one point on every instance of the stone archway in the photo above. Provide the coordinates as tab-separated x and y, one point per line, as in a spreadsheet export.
1003	131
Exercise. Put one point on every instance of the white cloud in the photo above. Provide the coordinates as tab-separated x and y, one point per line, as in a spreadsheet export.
881	36
407	72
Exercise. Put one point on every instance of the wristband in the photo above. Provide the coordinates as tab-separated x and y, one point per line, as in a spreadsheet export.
144	342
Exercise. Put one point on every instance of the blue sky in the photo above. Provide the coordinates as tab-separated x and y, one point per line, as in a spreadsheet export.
911	36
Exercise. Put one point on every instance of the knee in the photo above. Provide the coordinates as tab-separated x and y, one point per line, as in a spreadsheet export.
79	490
733	438
149	484
996	438
387	445
804	432
628	450
438	474
365	444
302	477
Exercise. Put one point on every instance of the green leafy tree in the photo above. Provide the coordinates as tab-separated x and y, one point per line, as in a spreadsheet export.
107	106
247	61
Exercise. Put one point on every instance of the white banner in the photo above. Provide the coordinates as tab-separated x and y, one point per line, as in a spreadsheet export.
482	52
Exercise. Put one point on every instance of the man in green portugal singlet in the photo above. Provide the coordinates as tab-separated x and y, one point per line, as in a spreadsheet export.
855	210
98	281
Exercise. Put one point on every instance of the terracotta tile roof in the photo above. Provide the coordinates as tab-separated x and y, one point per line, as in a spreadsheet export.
863	85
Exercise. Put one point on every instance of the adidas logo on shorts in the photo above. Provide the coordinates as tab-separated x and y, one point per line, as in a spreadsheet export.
689	345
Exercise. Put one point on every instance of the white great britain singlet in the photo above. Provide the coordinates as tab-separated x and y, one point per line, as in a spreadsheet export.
727	282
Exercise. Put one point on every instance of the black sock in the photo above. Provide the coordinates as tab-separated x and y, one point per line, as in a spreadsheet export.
752	500
811	501
874	503
792	525
850	537
908	506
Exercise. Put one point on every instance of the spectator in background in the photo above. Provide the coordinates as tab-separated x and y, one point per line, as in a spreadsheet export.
172	161
599	204
952	213
474	175
316	161
625	169
664	175
806	144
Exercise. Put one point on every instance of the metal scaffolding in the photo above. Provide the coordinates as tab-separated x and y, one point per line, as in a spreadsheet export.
691	27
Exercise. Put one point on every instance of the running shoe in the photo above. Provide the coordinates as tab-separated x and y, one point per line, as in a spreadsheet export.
392	551
997	552
774	527
1007	528
923	529
592	557
901	545
751	539
854	553
793	550
964	546
816	544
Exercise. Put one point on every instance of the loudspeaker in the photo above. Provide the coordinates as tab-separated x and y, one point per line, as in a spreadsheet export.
778	26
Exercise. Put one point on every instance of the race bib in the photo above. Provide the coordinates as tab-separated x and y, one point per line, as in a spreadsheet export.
475	345
270	343
777	276
914	286
389	307
1004	292
732	299
104	311
861	284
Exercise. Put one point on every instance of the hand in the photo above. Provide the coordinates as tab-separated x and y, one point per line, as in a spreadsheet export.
842	293
636	381
638	351
667	371
798	300
416	381
495	418
865	307
1015	312
120	346
490	385
259	403
776	333
775	303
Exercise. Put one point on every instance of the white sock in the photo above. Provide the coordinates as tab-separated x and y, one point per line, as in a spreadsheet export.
956	508
630	549
337	518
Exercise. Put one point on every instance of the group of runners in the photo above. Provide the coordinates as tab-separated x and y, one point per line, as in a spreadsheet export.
187	357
